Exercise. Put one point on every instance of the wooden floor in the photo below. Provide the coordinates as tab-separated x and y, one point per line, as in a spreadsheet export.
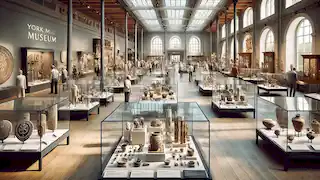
234	154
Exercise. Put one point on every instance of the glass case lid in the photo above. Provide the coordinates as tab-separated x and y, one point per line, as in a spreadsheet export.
31	103
191	111
294	103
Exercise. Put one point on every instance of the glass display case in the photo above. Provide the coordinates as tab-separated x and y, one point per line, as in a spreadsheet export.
311	68
245	60
31	127
206	83
139	141
36	66
290	124
234	97
83	99
268	64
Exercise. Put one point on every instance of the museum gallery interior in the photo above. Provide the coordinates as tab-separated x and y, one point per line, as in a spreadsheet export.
160	89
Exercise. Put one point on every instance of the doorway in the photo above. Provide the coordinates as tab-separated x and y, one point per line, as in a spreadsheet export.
175	58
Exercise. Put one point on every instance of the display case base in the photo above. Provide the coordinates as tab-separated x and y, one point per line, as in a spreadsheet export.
38	87
79	111
205	91
269	89
233	108
103	99
12	149
300	148
156	170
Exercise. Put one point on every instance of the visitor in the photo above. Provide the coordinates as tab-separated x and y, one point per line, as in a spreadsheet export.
54	79
127	89
190	72
292	79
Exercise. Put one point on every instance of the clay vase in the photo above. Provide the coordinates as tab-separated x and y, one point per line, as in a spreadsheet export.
146	93
164	95
170	92
42	125
155	141
282	118
277	133
290	138
315	126
156	123
5	129
151	94
268	123
298	123
190	151
311	135
136	123
52	120
242	98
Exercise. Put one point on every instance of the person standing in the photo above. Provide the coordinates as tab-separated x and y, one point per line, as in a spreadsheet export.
190	72
127	89
54	79
21	84
292	78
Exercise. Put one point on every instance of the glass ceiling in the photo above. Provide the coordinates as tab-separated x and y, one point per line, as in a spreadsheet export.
174	15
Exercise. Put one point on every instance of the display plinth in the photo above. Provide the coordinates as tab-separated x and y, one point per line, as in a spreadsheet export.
233	108
205	90
157	168
116	89
314	96
272	89
103	98
253	80
79	110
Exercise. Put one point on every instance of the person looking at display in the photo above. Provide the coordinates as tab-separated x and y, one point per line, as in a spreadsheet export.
54	79
292	80
127	89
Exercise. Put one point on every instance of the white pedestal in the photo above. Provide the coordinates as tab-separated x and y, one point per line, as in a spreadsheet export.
138	136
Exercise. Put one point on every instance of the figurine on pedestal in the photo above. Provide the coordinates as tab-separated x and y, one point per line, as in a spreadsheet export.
74	94
21	84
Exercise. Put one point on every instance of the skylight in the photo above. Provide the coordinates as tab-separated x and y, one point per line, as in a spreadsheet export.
175	3
209	3
141	3
175	22
150	14
200	14
175	14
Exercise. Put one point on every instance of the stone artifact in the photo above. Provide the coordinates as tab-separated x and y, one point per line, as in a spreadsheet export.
167	162
52	118
145	164
242	98
298	123
164	95
315	125
6	64
156	123
42	125
277	133
122	162
136	123
183	132
311	135
23	130
137	163
141	122
171	92
191	164
290	138
155	141
124	147
176	130
140	148
21	84
74	94
268	123
282	118
145	93
190	151
5	129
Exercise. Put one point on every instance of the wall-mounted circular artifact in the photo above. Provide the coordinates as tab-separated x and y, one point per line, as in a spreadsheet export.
5	129
24	130
6	64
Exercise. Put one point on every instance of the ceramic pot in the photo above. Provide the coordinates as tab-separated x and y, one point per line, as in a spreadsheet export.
156	123
315	126
242	98
145	93
298	123
277	133
136	123
311	135
42	125
155	141
170	92
290	138
164	95
282	118
268	123
141	120
190	152
52	119
124	147
5	129
151	94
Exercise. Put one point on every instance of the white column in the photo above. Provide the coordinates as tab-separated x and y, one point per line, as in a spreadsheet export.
135	43
142	55
102	46
69	39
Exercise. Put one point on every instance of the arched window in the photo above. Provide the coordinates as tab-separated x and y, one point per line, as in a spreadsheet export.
232	23
223	50
266	43
267	8
299	41
303	41
194	46
247	43
291	2
223	31
248	17
156	46
175	42
232	48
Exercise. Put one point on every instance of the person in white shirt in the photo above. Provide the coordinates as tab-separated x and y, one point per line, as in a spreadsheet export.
127	89
190	72
54	79
21	84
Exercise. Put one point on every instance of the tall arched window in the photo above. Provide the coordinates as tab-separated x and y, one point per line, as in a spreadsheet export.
223	31
156	46
232	23
175	42
303	41
223	50
248	17
194	46
266	43
232	48
299	41
267	8
291	2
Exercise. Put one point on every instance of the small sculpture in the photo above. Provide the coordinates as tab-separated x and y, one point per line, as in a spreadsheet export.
5	129
23	130
137	163
315	125
136	123
191	164
21	84
122	162
52	118
290	138
142	122
298	123
74	95
124	147
41	126
268	123
190	151
277	133
282	118
167	162
311	135
155	141
156	123
164	95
